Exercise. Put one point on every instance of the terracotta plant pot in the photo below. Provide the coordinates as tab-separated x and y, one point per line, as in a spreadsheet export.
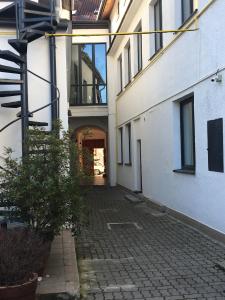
25	291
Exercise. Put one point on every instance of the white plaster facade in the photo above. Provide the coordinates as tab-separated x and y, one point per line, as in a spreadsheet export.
186	64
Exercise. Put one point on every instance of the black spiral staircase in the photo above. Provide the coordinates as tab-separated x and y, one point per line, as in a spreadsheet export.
32	21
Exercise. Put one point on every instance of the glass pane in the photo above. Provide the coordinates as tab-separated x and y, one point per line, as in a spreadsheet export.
188	137
139	40
87	94
75	65
100	64
87	63
158	26
129	63
101	94
187	6
119	74
74	95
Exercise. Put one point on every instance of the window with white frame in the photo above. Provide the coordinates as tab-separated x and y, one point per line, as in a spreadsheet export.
187	134
127	61
187	9
158	25
138	49
155	23
127	144
120	146
120	74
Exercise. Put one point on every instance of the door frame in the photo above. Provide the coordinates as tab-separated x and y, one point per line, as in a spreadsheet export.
139	176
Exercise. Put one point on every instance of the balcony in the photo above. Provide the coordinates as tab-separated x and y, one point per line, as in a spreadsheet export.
88	94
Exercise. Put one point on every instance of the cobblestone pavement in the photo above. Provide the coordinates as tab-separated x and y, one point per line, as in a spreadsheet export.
149	256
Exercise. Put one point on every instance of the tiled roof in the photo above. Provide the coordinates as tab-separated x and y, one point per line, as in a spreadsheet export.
86	9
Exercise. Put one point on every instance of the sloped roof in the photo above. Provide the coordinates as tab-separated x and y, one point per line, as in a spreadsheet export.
86	9
106	8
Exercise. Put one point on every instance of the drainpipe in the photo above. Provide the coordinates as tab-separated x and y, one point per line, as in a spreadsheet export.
54	110
20	7
53	79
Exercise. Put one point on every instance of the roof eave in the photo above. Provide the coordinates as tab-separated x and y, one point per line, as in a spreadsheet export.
105	9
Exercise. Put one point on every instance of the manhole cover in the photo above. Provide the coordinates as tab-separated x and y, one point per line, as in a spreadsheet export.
126	225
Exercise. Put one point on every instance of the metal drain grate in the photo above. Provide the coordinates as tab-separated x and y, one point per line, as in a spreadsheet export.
126	225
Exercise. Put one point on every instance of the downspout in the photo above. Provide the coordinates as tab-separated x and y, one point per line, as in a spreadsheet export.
53	76
53	79
20	7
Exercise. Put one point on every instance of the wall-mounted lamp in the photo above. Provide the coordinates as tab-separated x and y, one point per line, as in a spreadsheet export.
218	78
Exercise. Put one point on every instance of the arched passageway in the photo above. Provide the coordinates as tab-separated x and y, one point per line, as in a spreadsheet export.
92	141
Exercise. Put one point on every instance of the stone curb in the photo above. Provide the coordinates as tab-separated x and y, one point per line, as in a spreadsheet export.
61	279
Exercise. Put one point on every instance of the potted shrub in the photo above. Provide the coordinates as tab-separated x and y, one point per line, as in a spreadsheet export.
21	257
43	190
44	186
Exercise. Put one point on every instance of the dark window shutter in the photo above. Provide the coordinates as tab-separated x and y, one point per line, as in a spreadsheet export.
215	145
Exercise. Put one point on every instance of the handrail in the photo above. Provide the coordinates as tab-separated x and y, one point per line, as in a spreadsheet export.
38	109
46	80
32	112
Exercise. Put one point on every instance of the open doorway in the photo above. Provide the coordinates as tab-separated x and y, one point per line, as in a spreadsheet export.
93	140
99	161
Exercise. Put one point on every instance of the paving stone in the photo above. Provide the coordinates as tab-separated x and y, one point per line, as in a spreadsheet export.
165	260
133	199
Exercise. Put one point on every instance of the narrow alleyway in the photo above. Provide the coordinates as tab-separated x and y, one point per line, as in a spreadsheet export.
150	256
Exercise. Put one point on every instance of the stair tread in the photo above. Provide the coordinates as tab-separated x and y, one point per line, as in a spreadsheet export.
9	10
10	93
32	12
10	81
19	115
36	123
33	5
32	34
8	69
33	20
19	45
10	56
14	104
42	26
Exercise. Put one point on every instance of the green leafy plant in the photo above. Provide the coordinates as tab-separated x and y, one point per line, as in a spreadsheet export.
45	186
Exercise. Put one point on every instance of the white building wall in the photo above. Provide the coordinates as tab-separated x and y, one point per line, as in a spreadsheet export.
149	103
